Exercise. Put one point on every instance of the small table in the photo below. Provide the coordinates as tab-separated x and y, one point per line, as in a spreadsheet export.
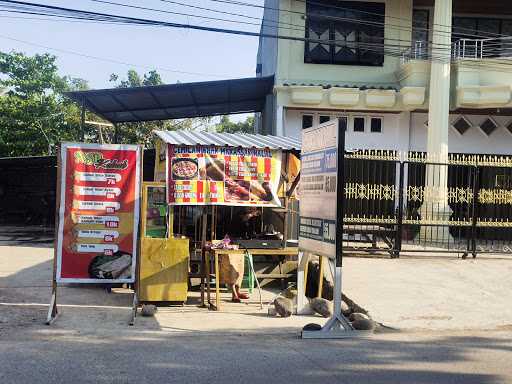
288	251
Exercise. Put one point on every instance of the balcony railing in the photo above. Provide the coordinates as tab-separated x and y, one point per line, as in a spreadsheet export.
464	49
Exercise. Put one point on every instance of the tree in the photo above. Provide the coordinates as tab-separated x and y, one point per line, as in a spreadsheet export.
228	126
34	116
142	133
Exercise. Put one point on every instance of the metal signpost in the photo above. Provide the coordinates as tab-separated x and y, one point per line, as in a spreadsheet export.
321	211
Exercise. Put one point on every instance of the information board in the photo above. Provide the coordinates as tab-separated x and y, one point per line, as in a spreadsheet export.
210	175
98	213
317	227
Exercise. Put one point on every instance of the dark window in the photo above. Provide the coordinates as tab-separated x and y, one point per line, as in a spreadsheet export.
420	26
359	124
461	125
481	28
324	119
353	33
342	123
509	127
307	121
376	124
488	126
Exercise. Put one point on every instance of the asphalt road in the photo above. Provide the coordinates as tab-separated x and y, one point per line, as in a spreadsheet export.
134	355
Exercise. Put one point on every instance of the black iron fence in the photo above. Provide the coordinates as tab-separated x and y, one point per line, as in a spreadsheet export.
413	203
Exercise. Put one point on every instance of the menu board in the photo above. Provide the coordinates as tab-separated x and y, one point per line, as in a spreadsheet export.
199	175
98	213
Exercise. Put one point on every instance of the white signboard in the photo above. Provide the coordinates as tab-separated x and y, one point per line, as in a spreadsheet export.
317	230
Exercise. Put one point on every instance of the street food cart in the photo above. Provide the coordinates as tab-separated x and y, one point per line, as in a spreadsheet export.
212	177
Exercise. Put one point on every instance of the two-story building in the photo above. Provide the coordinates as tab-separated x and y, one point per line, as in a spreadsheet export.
409	75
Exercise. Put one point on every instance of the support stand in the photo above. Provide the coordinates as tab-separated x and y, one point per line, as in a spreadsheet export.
337	326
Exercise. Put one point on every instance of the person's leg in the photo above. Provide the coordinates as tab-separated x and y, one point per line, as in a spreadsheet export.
241	295
234	293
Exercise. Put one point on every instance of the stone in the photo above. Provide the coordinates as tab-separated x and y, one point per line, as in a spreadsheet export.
358	316
345	309
363	325
148	310
284	306
312	327
321	306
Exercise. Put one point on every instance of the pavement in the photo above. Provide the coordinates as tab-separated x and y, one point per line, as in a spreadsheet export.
91	342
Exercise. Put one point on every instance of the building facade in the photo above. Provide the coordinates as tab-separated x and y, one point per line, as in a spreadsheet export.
408	75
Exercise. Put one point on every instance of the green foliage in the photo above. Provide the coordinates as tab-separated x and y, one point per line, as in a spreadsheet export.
228	126
34	116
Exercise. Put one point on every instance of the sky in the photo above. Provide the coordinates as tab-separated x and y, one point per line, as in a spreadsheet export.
210	56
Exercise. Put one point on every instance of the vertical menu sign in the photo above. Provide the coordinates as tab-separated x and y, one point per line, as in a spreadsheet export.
98	213
317	230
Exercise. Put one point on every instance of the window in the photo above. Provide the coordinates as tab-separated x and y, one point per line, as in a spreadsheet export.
357	42
324	119
342	123
376	124
307	121
488	126
461	125
359	124
481	28
420	26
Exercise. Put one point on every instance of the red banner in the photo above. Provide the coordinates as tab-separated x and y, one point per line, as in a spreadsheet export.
99	213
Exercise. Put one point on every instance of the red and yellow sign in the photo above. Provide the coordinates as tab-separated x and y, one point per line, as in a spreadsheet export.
99	213
209	175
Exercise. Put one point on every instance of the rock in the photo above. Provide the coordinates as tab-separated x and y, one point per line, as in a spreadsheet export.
284	306
364	325
321	306
358	316
148	310
312	327
345	308
290	293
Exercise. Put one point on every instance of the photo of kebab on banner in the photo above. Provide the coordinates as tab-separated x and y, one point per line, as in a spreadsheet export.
261	192
213	170
236	190
184	168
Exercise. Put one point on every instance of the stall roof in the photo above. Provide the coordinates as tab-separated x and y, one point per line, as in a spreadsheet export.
177	101
230	139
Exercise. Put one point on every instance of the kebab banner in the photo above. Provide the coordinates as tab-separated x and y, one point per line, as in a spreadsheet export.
209	175
98	213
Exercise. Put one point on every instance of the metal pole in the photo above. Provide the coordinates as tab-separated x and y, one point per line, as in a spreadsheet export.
82	122
400	213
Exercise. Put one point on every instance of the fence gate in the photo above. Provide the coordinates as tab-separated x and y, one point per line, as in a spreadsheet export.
403	203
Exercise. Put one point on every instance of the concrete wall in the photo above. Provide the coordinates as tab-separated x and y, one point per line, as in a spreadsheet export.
267	49
474	140
394	135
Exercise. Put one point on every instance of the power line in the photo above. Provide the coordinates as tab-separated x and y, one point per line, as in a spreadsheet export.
131	20
112	60
405	28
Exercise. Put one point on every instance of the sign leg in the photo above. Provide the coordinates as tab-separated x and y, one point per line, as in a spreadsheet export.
53	312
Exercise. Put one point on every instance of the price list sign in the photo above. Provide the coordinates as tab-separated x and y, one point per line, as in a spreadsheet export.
98	213
318	198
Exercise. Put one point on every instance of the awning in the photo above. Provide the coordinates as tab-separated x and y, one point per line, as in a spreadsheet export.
177	101
244	140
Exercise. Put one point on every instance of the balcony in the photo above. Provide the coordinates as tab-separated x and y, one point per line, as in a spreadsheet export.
481	71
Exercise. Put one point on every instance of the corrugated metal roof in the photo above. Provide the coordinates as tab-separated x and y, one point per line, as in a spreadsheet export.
244	140
177	101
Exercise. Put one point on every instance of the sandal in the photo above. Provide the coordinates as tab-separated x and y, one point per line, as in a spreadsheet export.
236	300
243	296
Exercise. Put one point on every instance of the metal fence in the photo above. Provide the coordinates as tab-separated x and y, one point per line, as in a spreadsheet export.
413	203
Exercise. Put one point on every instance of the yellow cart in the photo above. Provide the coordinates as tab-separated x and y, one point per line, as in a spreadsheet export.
163	270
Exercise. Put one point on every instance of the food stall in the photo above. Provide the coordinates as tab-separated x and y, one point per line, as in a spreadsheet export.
229	194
